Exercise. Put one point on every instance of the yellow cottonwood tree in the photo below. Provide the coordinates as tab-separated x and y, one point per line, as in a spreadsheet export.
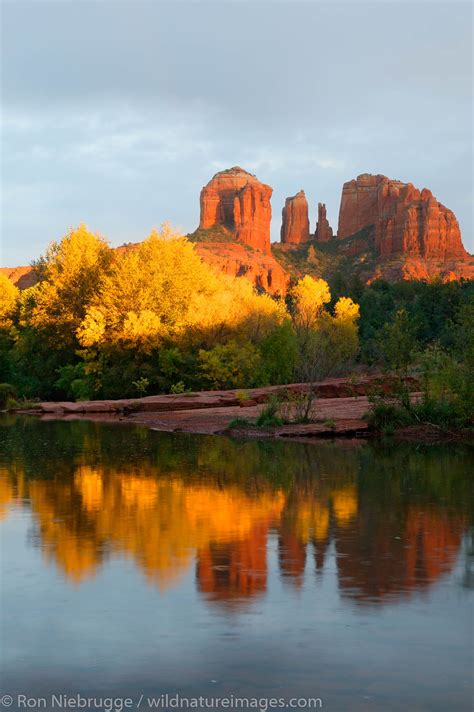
310	296
325	342
162	289
70	275
9	295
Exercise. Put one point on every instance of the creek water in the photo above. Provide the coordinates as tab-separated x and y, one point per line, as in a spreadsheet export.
136	564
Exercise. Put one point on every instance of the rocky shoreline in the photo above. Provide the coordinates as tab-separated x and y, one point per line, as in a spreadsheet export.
340	406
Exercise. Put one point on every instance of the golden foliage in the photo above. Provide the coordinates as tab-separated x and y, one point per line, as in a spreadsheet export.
161	288
8	300
70	274
310	297
346	310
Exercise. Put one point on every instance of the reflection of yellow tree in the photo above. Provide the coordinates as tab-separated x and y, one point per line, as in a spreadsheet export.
65	534
161	523
309	513
90	485
12	488
6	492
311	520
344	504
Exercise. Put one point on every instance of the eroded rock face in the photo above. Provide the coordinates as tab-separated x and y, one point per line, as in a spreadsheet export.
262	269
405	220
22	277
323	229
295	221
241	203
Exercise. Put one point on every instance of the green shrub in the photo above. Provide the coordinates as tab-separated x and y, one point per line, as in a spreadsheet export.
270	414
7	392
141	385
442	413
230	365
240	423
385	415
74	380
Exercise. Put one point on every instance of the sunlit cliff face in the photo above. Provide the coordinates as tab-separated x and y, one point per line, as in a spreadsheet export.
167	525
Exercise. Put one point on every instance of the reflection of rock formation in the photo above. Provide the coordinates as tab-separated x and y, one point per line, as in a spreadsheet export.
234	571
388	556
433	540
291	556
385	548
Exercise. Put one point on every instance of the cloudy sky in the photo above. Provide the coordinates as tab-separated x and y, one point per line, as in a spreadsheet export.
117	113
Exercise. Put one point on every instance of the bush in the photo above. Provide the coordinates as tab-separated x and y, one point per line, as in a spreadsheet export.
74	380
240	423
230	365
385	415
141	385
178	388
442	413
270	414
7	393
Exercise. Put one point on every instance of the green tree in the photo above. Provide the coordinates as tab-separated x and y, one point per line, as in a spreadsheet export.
231	365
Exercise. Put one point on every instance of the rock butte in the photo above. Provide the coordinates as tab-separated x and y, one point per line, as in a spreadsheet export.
295	221
406	221
241	203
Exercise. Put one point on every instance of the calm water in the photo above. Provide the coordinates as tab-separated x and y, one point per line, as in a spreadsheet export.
135	562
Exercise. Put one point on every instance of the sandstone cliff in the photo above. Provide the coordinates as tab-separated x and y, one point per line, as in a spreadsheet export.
295	221
241	203
405	220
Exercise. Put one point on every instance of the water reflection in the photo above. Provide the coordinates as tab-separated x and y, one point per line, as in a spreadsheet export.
209	505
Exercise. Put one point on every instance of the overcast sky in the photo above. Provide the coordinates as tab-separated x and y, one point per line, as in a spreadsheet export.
116	114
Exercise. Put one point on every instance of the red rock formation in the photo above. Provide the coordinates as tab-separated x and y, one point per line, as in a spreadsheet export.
22	277
295	222
233	259
238	201
406	221
323	229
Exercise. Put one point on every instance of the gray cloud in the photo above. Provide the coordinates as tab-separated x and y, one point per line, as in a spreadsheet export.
116	114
